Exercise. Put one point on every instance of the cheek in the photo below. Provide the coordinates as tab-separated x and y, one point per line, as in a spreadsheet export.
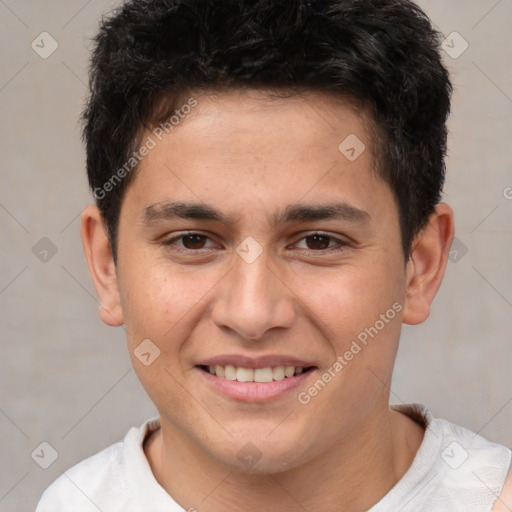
154	300
347	309
349	299
159	305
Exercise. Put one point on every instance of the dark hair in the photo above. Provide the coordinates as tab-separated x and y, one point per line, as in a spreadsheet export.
382	54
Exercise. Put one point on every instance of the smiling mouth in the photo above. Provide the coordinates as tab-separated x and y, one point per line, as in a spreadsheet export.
256	375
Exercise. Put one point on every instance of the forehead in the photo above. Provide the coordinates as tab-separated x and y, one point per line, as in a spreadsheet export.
249	146
262	114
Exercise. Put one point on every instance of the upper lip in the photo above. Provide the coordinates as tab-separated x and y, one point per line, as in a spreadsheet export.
255	362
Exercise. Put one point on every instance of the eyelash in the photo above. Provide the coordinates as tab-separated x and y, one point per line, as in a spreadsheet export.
341	244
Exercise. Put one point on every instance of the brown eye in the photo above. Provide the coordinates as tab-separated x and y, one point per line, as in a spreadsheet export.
321	243
317	241
194	241
188	242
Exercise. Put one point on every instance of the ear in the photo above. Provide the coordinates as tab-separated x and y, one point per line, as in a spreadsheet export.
98	253
427	264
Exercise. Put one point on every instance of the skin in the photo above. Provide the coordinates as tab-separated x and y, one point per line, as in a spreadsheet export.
250	156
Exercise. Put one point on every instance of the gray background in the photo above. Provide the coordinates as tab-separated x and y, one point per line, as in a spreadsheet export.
66	378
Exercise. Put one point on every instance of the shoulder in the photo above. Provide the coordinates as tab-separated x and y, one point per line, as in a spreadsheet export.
82	485
465	467
479	466
101	481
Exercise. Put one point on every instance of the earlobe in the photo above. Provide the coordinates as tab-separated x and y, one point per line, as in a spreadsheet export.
427	264
100	261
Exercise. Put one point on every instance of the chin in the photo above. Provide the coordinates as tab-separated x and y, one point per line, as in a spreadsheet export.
258	454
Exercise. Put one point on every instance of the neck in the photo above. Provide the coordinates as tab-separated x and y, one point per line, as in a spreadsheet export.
352	476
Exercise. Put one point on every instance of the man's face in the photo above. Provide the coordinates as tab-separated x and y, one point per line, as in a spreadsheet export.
270	285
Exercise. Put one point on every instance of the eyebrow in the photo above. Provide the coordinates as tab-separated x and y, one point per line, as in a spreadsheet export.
292	213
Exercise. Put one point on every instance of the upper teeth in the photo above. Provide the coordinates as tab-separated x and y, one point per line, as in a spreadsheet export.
268	374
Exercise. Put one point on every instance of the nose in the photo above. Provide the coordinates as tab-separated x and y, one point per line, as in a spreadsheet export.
253	299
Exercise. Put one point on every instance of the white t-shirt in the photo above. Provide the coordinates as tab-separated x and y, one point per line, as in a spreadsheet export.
453	470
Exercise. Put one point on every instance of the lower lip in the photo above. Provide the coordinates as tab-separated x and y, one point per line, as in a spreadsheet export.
254	391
